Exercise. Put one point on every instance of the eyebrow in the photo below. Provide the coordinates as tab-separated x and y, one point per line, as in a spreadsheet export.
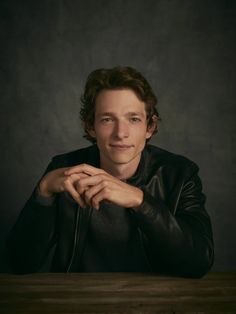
130	113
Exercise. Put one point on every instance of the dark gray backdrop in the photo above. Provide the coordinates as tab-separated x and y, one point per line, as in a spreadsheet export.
186	49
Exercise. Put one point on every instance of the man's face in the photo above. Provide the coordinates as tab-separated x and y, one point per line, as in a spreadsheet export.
120	126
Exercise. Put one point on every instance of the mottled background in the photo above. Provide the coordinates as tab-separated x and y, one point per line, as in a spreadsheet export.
186	49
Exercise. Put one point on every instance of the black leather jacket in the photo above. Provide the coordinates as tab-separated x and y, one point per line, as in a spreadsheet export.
174	227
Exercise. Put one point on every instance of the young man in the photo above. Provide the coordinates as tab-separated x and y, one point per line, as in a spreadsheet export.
120	204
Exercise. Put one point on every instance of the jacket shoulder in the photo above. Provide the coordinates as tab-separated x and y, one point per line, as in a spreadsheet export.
88	155
161	158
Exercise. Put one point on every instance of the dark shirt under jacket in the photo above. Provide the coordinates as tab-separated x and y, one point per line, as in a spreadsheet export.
113	242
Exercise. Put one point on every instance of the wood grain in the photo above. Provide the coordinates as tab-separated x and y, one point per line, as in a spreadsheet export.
116	293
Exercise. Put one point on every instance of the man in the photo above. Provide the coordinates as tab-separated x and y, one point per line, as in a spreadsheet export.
120	204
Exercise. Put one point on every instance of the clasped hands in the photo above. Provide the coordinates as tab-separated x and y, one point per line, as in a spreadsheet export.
89	186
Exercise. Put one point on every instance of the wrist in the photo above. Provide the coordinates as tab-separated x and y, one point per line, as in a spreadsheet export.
138	199
42	189
43	200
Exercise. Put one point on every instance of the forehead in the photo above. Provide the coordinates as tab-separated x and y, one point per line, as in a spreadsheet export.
118	101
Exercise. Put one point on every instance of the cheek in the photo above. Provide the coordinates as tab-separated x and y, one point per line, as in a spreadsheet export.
140	136
102	133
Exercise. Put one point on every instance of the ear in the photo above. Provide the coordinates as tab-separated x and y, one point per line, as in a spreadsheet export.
151	128
149	133
92	133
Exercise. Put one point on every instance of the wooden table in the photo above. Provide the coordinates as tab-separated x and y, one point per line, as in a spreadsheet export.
116	293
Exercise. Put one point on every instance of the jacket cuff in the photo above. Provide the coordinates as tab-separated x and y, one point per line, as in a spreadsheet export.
42	200
150	208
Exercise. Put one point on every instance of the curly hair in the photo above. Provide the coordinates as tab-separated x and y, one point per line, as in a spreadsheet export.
114	79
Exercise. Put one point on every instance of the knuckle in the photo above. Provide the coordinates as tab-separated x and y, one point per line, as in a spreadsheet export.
66	183
67	180
79	188
104	183
106	191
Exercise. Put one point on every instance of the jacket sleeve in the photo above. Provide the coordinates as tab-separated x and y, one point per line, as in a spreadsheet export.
178	237
33	234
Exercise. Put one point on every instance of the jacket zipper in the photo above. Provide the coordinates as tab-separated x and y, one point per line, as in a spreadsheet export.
76	233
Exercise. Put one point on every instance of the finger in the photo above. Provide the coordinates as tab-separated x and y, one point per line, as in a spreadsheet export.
90	193
68	186
103	195
83	175
83	184
83	168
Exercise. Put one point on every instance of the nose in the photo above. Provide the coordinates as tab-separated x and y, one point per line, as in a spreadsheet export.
121	130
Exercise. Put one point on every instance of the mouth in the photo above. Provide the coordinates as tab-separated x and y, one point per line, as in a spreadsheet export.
120	146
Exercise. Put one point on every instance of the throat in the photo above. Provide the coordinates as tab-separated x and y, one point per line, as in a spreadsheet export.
121	171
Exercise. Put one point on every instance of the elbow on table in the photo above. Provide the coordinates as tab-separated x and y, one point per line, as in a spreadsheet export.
200	264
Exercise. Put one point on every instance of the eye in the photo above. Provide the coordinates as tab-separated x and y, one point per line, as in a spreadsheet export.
106	120
135	119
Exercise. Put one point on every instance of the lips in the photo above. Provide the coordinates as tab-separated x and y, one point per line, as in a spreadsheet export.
120	146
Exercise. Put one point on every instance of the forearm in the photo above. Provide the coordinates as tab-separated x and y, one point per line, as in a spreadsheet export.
181	243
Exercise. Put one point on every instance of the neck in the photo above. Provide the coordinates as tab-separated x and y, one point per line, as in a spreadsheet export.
120	171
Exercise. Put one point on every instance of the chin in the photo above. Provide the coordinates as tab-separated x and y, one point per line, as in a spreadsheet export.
120	161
